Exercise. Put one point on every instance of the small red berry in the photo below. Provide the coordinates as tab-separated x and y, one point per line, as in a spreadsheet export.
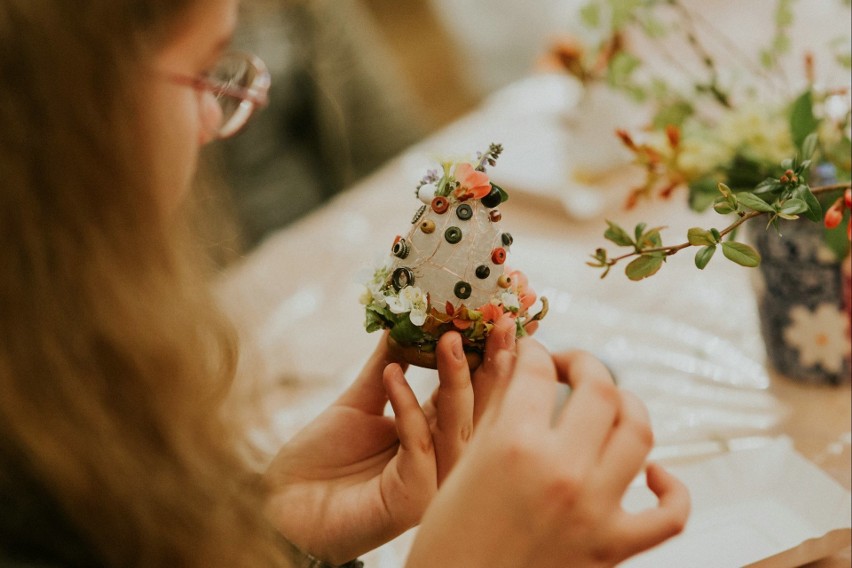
833	216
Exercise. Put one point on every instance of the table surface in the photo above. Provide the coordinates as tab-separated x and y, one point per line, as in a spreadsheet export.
686	341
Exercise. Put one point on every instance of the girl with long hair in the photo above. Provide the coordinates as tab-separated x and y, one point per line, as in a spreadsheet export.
114	361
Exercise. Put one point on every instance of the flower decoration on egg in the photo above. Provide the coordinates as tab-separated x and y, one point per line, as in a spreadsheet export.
449	272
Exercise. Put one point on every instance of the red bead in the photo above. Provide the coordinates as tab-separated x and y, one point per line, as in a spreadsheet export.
498	255
440	204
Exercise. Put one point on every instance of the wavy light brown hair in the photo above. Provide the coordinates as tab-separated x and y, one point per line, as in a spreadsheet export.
113	360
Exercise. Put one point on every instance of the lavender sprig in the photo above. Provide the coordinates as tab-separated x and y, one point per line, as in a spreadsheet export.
489	157
430	177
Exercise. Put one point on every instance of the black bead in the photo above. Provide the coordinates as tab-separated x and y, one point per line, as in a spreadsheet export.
418	214
401	278
507	239
453	235
482	272
401	248
462	290
493	198
464	212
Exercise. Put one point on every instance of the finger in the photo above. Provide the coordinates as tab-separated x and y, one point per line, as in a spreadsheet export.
628	447
503	359
531	327
502	336
416	450
367	392
640	531
453	403
492	371
532	388
592	408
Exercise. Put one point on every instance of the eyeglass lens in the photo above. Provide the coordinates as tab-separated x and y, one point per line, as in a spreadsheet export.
235	72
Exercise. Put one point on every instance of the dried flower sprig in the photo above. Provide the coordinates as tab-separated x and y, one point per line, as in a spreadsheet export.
488	157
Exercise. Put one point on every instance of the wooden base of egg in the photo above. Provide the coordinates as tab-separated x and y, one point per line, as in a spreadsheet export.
428	359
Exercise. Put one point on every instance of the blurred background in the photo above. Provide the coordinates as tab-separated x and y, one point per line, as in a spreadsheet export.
357	81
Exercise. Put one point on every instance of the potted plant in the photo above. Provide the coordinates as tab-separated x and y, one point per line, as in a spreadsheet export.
775	162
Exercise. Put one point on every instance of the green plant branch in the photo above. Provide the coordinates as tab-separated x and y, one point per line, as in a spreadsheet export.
743	217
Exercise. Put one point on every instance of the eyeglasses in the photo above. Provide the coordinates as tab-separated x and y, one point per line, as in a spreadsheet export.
240	82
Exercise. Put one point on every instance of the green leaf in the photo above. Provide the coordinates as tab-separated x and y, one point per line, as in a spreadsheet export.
621	68
783	14
405	332
793	206
504	197
741	254
703	256
717	236
699	237
374	321
650	239
702	192
722	206
673	114
754	202
623	12
644	266
814	211
802	120
637	232
769	184
590	15
618	235
809	145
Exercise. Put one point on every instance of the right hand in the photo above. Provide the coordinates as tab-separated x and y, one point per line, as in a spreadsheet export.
540	486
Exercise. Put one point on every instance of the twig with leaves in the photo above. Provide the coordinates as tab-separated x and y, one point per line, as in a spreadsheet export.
786	197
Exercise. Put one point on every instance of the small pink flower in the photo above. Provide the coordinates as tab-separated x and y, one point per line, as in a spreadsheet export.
490	312
520	285
472	184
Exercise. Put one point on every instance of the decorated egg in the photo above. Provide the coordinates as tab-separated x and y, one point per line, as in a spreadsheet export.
449	271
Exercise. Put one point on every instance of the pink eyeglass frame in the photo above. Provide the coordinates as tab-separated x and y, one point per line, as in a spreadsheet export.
251	98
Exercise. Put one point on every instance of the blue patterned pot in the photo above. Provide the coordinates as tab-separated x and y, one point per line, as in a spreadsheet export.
804	312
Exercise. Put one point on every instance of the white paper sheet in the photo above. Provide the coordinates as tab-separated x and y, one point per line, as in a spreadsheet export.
765	508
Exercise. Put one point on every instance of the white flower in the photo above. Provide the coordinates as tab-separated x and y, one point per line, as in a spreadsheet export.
426	193
510	301
699	151
410	300
820	336
373	294
759	131
366	296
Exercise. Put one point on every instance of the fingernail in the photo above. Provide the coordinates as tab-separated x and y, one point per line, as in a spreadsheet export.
458	353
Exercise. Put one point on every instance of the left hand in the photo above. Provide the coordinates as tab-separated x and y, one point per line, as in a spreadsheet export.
354	478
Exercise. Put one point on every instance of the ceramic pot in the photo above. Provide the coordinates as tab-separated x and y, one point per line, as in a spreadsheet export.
803	302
